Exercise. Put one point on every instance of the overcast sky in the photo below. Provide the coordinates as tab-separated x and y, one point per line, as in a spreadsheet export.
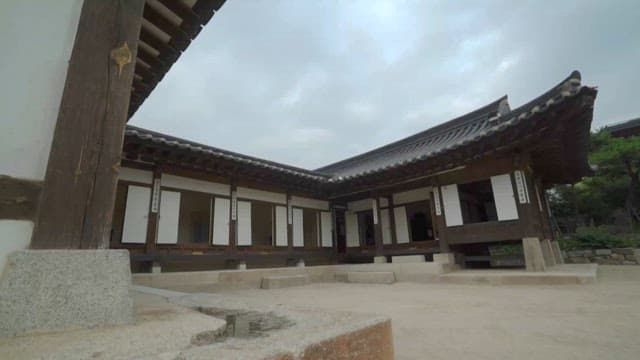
312	82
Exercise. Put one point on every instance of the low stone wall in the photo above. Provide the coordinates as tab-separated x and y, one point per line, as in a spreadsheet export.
626	256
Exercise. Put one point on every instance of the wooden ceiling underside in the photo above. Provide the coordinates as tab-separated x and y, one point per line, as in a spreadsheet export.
168	27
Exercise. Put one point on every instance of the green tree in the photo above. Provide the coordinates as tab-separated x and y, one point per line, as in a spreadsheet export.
616	159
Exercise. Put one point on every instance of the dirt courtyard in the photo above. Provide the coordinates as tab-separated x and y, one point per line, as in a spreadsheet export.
444	321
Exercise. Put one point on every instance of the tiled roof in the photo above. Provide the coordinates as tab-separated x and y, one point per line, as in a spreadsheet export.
629	124
472	127
172	141
448	136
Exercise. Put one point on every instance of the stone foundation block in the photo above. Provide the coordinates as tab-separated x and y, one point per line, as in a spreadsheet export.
380	260
49	290
408	259
533	257
277	282
371	277
444	258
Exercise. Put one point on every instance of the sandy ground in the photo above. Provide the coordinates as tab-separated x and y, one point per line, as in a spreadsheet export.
445	321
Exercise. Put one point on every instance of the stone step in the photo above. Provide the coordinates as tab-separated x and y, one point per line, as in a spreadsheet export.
371	277
408	259
277	282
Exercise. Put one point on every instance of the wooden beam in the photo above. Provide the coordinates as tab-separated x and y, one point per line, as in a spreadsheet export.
18	198
76	206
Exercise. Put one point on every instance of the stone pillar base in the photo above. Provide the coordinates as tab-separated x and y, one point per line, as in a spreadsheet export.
444	258
557	254
242	265
547	252
300	263
49	290
379	259
156	268
533	257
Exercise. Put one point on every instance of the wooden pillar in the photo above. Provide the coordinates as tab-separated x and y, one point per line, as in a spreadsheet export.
377	226
233	219
440	224
289	224
76	204
152	225
392	221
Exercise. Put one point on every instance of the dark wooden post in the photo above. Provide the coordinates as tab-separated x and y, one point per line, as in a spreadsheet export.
76	204
152	225
233	220
439	222
377	226
289	224
392	221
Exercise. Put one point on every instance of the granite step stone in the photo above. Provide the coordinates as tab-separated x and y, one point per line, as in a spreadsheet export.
371	277
277	282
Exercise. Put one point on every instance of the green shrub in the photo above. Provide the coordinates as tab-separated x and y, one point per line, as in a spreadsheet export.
595	238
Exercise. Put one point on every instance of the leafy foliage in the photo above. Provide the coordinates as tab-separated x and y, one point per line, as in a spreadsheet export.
598	238
615	185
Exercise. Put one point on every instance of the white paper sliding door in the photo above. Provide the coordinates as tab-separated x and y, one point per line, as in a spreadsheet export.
326	229
136	215
353	235
402	228
298	228
386	227
504	198
221	221
451	202
281	226
169	217
244	223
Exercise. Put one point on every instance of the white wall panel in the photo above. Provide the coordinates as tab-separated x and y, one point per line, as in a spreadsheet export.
451	202
402	229
244	223
282	238
359	205
185	183
221	214
353	235
37	38
136	175
298	229
309	203
412	196
262	195
504	198
169	217
385	222
326	229
136	215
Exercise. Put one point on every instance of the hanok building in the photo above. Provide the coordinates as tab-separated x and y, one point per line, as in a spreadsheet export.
460	187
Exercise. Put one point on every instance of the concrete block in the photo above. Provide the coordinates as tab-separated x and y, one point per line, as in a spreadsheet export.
49	290
547	252
533	257
444	258
241	266
557	254
408	259
380	260
371	277
277	282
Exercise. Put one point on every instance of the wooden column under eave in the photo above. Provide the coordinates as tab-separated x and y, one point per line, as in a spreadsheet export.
440	226
76	204
233	218
377	226
152	225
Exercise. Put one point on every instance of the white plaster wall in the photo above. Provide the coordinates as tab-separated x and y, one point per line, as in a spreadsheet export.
36	38
310	203
14	235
